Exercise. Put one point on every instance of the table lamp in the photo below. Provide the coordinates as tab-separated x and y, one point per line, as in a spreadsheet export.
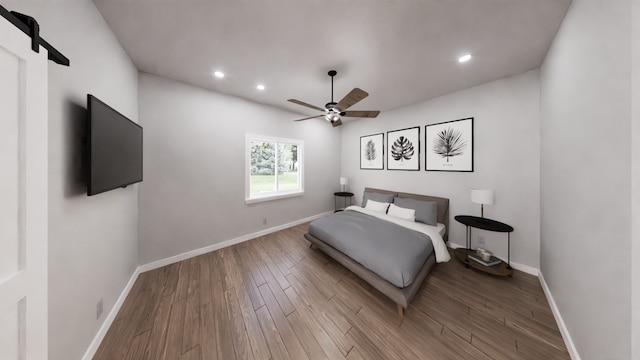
482	197
343	183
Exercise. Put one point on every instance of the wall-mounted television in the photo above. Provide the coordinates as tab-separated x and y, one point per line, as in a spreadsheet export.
114	148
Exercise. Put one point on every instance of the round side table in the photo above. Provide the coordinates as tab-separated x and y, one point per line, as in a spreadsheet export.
344	195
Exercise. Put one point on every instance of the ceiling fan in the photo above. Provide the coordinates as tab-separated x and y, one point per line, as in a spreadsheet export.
334	111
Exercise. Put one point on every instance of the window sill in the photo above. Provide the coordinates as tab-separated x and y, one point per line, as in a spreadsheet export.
258	199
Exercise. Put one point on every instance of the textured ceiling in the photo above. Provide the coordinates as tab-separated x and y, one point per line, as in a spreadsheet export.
400	51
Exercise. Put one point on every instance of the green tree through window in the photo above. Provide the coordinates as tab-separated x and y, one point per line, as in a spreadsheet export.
274	168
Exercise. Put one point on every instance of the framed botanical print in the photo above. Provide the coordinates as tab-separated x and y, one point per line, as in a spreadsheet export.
372	152
403	149
449	146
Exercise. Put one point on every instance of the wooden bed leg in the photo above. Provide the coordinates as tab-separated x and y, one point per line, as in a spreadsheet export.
400	310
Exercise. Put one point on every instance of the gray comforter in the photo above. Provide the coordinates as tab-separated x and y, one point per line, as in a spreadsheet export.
393	252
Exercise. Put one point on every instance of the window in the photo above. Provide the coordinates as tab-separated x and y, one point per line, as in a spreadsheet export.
273	168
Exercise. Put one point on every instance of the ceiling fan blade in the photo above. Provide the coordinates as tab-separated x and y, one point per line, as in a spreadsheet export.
362	113
311	117
351	99
305	104
336	123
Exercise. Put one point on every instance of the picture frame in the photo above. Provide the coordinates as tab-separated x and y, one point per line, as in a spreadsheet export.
403	149
372	152
449	146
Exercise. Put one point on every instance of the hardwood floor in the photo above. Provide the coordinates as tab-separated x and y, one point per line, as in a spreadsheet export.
275	298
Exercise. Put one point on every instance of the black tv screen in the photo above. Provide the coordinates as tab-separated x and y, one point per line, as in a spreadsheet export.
114	146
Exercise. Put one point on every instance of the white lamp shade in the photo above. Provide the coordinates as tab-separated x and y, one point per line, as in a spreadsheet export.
482	196
344	181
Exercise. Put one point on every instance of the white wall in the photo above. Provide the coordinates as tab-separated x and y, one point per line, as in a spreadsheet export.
586	176
506	159
193	193
635	179
92	241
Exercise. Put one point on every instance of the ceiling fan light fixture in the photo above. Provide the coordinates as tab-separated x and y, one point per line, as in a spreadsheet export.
332	117
333	111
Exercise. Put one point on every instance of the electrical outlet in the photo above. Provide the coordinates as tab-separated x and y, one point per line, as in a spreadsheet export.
481	240
99	309
264	221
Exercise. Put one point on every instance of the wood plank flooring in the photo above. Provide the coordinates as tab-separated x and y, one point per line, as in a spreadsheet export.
275	298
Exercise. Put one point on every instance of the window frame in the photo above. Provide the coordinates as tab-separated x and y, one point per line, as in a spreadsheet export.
273	195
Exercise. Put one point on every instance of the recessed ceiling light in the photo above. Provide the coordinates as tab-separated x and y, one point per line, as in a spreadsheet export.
260	87
218	74
464	58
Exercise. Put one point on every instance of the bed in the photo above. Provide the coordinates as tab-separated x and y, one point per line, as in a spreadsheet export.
367	244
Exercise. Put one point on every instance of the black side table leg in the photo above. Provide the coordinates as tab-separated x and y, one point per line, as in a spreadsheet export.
468	243
509	250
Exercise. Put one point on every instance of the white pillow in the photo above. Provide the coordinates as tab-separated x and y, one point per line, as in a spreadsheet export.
377	206
402	213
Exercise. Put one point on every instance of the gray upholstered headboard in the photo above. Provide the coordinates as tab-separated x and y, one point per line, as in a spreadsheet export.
443	204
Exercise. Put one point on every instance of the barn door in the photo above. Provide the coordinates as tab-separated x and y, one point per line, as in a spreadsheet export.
23	197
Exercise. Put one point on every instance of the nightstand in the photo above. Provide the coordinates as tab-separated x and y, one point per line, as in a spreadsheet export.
502	269
344	195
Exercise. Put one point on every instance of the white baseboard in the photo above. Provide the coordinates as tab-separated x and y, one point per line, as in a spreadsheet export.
91	351
525	268
571	347
522	267
214	247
